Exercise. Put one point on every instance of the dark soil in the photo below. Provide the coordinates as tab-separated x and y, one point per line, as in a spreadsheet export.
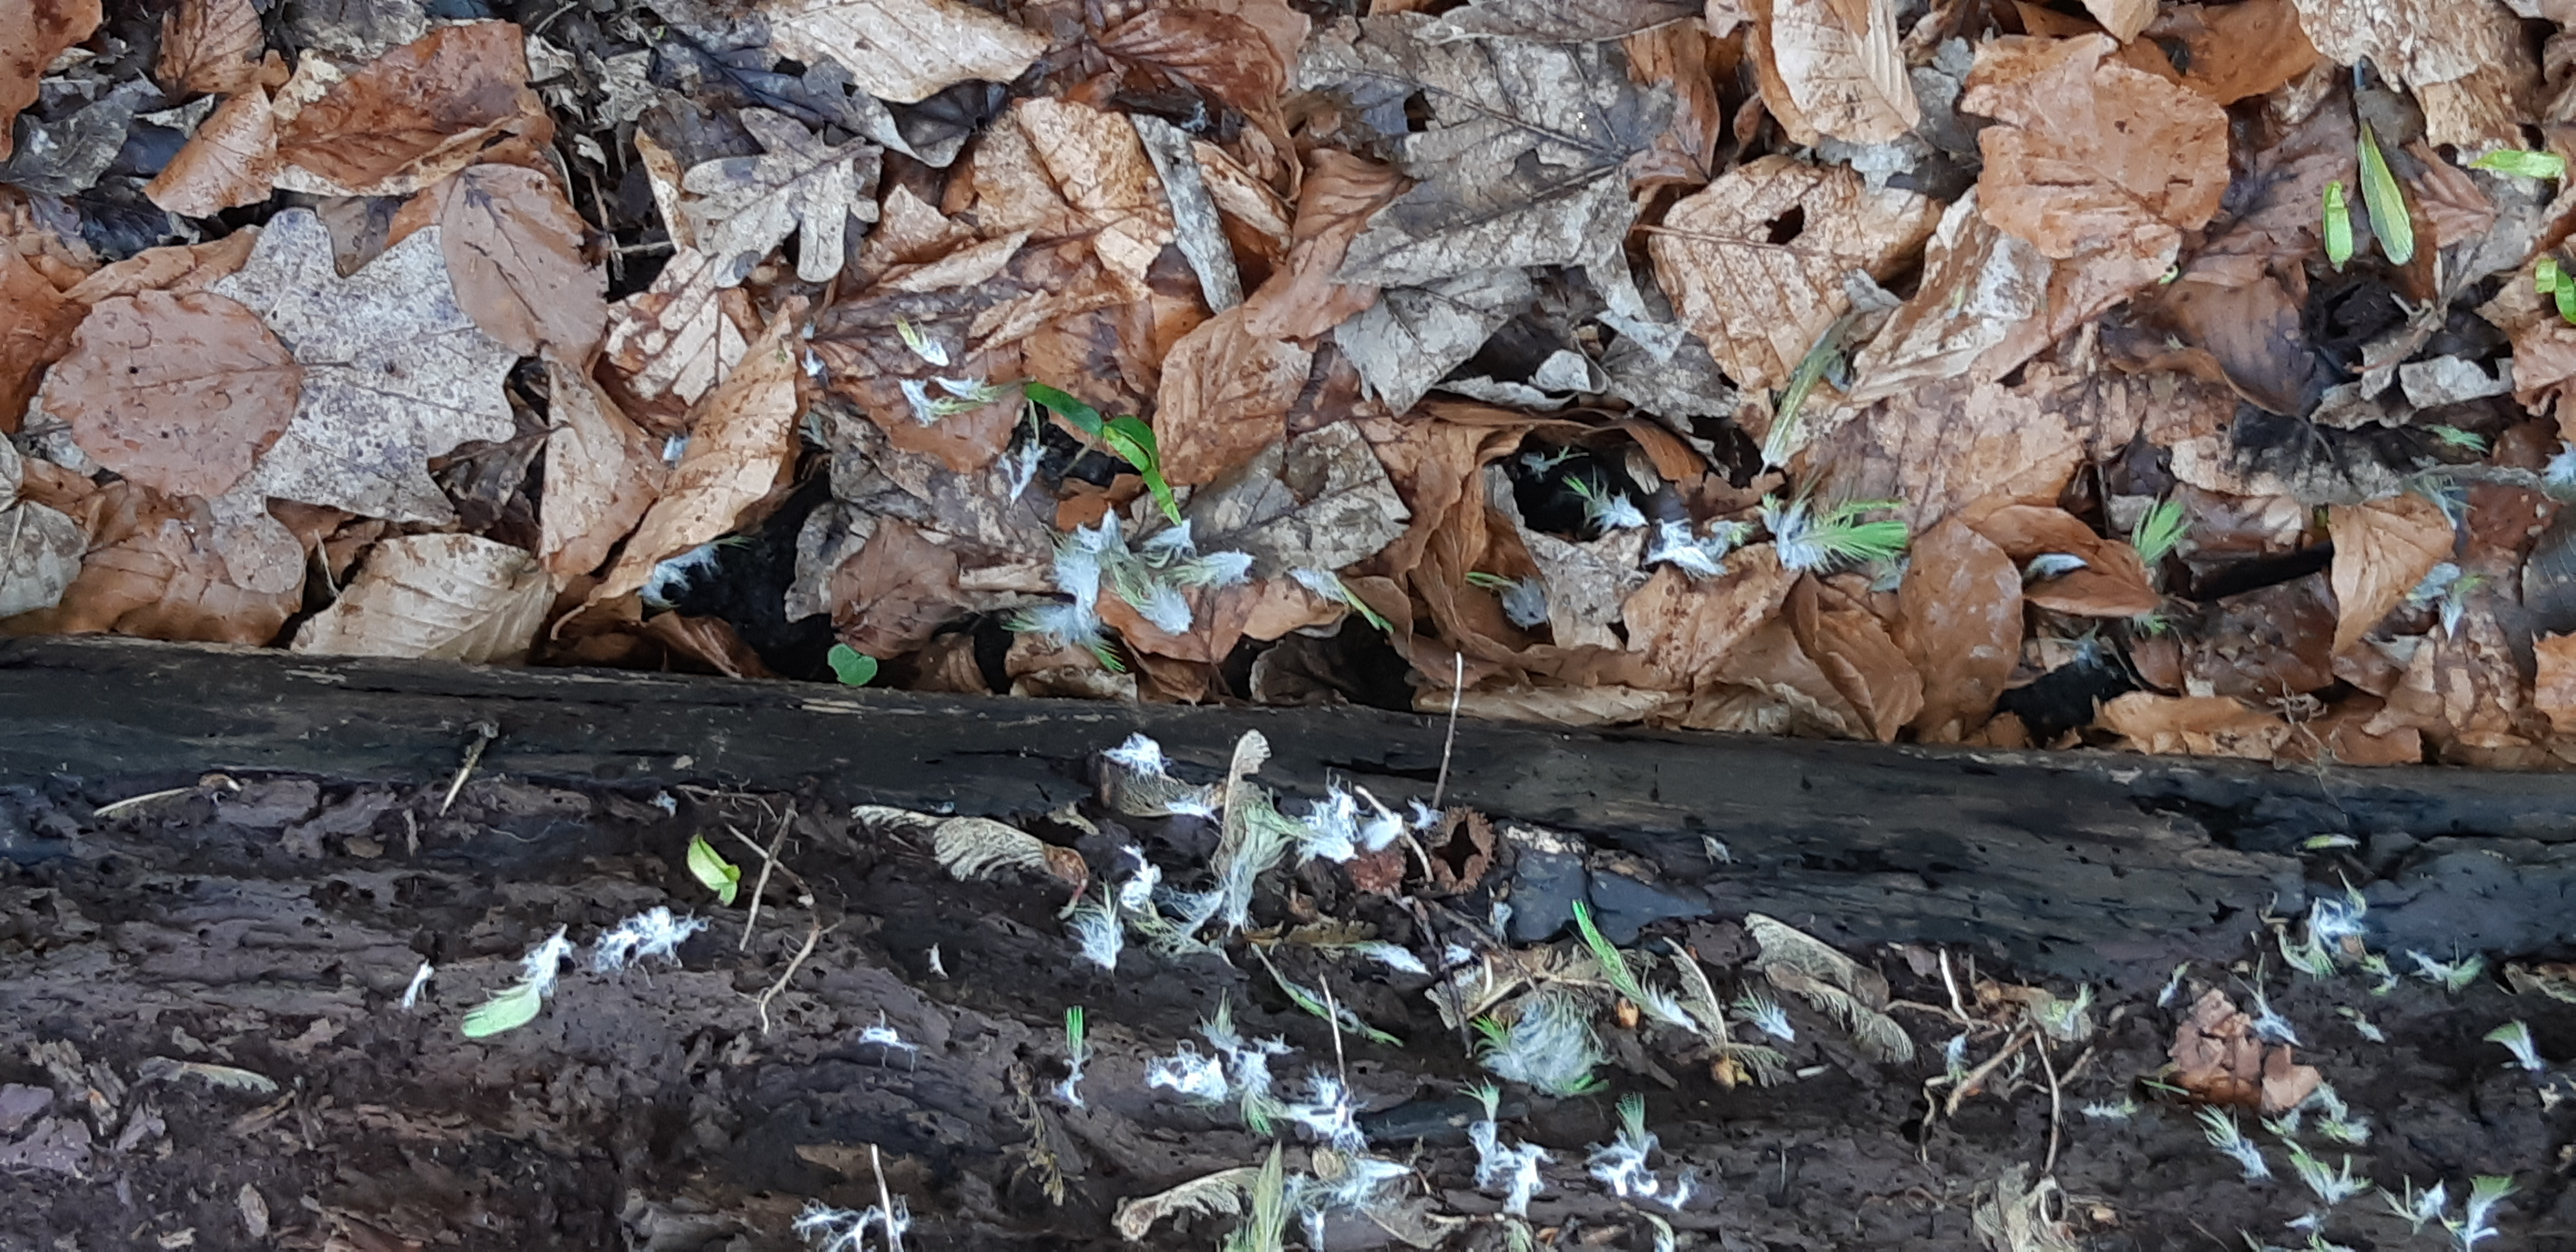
274	929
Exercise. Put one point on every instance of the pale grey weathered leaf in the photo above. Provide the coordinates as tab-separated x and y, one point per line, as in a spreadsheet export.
1559	21
1413	336
1200	234
745	206
1522	161
1318	501
40	549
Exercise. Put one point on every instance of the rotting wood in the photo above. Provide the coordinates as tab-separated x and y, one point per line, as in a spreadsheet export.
2090	865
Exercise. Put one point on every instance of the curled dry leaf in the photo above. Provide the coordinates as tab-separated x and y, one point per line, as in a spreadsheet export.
2091	156
231	160
2468	64
1303	299
513	249
210	46
1755	262
1413	336
1220	54
32	34
2218	1059
601	474
741	207
36	325
180	393
1959	619
177	269
156	569
2464	693
443	597
1979	286
1837	66
1099	167
1226	394
1521	163
2111	583
742	441
394	371
2195	725
904	50
414	115
1686	629
2382	550
1856	654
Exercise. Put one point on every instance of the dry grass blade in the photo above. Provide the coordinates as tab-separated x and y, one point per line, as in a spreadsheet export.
979	847
1221	1193
163	1069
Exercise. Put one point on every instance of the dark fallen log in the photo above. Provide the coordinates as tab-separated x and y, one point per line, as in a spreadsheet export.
2084	864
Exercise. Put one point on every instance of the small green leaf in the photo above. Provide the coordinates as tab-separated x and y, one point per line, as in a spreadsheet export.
2523	164
2386	201
720	876
2338	225
508	1010
2563	290
1133	441
853	667
1490	582
1083	417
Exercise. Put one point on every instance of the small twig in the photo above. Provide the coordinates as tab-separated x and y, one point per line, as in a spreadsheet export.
1457	691
768	862
484	734
1973	1079
813	933
2056	1111
885	1200
1950	981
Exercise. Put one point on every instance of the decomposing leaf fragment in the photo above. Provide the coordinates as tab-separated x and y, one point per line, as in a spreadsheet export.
2382	550
179	393
40	547
414	115
1558	21
513	249
231	160
32	34
2469	65
744	206
442	597
209	46
904	50
2195	725
2219	1059
394	371
1839	65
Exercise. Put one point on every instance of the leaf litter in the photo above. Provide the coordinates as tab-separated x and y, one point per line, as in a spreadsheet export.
1552	347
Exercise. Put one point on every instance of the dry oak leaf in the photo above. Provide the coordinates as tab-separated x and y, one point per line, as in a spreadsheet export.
742	441
231	160
2553	690
32	34
1523	161
155	569
180	393
2466	61
904	50
394	372
2382	550
1558	21
513	249
40	547
601	474
744	206
440	597
1226	394
414	115
1840	67
1755	261
2093	156
2195	726
210	46
1959	620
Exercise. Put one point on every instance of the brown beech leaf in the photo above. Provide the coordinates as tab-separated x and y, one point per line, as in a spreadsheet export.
1225	395
2123	19
2093	156
1755	262
2195	725
1959	619
513	249
177	269
2382	549
36	324
231	160
742	442
2544	348
2553	691
1219	53
2263	645
1687	629
210	46
1854	651
1303	299
2238	51
896	593
394	372
904	50
179	393
32	34
442	597
2111	583
1558	21
154	570
676	337
1979	286
413	115
1841	78
601	474
2468	64
1099	167
2462	690
741	207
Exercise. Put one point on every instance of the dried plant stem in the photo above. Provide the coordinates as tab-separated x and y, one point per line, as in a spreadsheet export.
813	933
1449	744
484	734
768	862
1971	1080
2056	1111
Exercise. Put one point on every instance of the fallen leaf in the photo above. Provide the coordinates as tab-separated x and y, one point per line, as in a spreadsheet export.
32	34
1317	501
896	593
2554	690
2217	1058
2111	583
1979	286
210	46
178	269
2262	646
1839	66
744	206
2382	550
2464	693
414	115
904	50
601	474
1413	336
2468	64
36	325
742	442
1755	262
394	371
179	393
1226	394
2092	156
440	597
1855	653
1220	54
1099	167
675	337
1959	620
1198	226
155	570
1521	161
1686	628
513	249
2195	725
231	160
1682	56
40	547
2122	19
2238	51
1558	21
